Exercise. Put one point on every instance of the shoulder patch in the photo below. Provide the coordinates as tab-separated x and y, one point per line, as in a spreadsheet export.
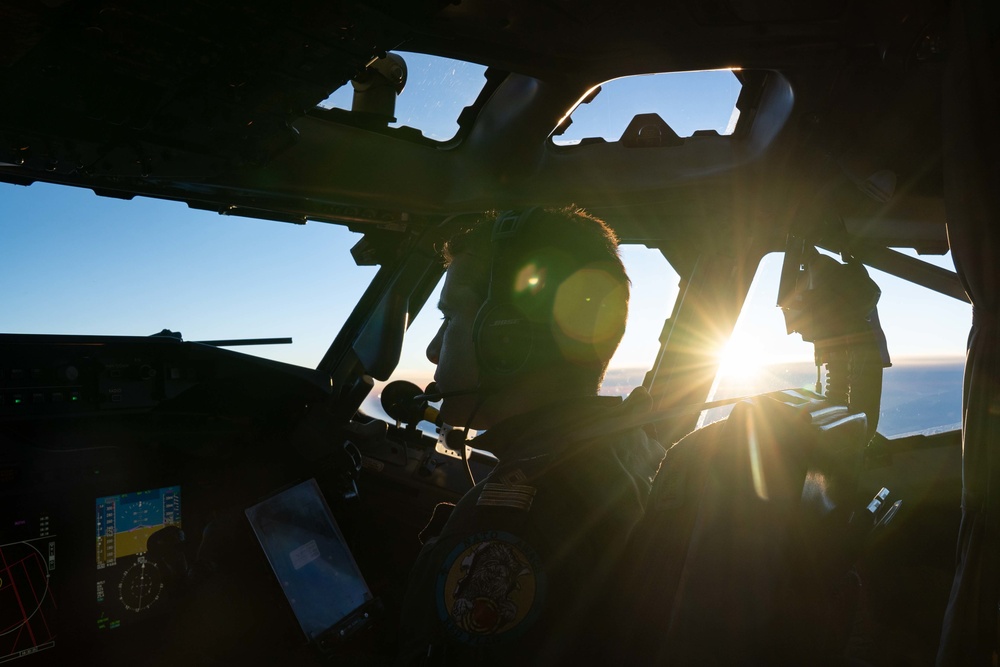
489	588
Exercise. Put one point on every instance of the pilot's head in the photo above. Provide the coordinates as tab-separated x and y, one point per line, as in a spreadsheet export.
534	305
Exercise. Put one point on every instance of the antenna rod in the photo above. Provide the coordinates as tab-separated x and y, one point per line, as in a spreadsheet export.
246	341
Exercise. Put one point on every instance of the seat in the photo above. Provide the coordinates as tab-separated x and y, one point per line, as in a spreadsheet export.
745	553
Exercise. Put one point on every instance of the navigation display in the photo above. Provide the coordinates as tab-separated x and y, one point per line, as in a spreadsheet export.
130	582
27	601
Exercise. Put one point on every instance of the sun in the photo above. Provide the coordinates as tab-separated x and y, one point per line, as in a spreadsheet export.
739	360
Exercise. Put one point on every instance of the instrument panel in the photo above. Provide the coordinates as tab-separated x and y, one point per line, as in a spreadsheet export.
72	376
134	534
27	601
127	466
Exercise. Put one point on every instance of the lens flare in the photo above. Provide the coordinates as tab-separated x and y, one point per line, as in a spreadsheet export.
588	315
530	279
756	461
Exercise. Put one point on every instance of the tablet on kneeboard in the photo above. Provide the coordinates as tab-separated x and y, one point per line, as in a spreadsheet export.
312	562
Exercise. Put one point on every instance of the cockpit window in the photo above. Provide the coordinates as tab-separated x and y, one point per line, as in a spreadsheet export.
655	285
93	265
686	101
925	333
435	92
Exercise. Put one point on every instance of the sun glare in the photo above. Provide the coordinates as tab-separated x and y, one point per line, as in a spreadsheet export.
739	360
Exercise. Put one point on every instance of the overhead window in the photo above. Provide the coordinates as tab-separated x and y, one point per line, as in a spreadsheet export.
436	91
686	101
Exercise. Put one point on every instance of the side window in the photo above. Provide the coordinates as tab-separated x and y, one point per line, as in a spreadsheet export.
654	289
413	363
925	331
760	357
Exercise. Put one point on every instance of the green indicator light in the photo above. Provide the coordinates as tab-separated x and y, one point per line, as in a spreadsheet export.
18	401
74	398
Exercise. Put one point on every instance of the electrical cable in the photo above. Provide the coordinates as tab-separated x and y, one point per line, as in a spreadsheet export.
465	434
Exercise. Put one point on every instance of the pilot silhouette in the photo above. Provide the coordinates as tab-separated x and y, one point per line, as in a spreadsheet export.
534	305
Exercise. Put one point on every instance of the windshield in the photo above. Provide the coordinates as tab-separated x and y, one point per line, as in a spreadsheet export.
76	263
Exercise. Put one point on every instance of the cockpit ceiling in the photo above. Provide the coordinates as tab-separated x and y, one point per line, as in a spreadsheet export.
602	40
213	103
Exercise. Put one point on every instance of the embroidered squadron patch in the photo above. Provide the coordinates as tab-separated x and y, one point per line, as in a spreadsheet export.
489	588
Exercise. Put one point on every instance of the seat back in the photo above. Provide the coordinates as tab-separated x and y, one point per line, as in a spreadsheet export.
747	539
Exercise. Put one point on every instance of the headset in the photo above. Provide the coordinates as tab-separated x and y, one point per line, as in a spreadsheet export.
504	336
517	326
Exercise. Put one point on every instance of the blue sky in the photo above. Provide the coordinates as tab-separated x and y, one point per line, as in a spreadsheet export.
687	101
73	262
77	263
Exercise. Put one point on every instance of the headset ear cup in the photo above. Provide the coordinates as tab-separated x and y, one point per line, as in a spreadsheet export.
503	338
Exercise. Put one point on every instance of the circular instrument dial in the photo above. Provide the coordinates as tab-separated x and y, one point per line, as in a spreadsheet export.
140	586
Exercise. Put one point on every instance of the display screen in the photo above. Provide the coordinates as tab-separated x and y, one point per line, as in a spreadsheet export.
309	557
27	600
131	581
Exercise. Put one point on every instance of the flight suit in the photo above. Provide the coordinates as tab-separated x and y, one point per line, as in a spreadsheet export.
515	573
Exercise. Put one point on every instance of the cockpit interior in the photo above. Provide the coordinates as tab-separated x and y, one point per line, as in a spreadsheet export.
220	500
